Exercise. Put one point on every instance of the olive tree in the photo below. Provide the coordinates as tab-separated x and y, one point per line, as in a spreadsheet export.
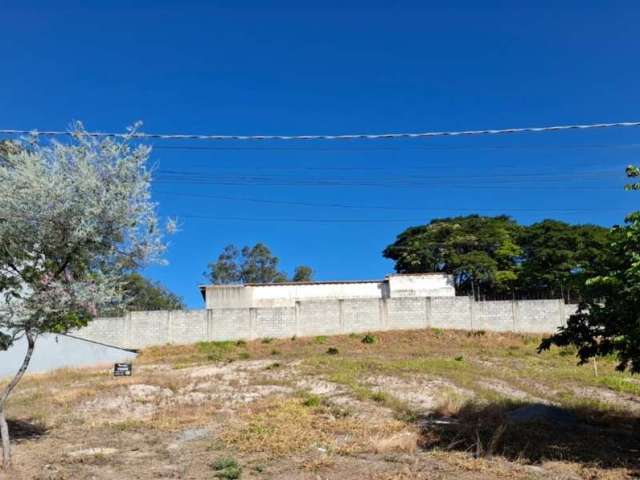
74	217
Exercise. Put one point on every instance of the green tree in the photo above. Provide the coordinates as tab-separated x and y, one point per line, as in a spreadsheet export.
226	269
608	319
481	252
302	273
73	217
143	294
250	265
558	257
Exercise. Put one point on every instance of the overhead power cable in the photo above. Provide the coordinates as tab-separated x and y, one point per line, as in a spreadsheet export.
381	207
357	136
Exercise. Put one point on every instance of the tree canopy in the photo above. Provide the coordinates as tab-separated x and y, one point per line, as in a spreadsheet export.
608	318
495	255
140	293
73	217
251	265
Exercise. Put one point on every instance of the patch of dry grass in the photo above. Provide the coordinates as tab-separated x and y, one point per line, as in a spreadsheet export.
284	426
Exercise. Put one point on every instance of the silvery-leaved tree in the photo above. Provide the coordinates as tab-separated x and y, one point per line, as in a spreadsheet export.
74	217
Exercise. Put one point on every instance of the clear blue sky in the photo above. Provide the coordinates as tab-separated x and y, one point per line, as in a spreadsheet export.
242	67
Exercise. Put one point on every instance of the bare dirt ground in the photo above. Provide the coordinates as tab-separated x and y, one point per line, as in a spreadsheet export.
419	404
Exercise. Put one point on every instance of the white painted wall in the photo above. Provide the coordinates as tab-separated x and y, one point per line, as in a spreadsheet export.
286	294
53	352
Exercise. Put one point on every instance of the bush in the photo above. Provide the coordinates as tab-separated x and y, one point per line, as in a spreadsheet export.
275	351
267	340
312	401
369	339
226	468
321	339
332	351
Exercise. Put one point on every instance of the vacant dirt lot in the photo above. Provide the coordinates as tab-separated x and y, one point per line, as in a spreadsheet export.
420	404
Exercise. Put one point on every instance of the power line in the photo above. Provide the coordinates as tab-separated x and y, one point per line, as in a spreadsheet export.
380	207
308	220
357	148
357	136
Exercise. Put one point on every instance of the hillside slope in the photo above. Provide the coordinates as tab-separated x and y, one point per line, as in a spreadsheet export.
418	404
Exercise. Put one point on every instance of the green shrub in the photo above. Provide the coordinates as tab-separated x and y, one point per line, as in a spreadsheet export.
241	343
226	468
321	339
368	339
332	351
267	340
312	400
459	358
275	351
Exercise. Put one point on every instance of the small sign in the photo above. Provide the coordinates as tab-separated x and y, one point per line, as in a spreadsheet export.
122	369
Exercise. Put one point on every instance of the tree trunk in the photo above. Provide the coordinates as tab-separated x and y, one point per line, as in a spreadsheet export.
4	427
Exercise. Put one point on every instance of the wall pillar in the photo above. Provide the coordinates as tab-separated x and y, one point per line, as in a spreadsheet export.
297	317
427	312
341	321
383	313
128	330
253	320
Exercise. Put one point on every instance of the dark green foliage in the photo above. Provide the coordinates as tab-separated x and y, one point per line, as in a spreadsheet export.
332	351
302	273
369	339
251	265
226	468
480	252
145	294
558	257
608	319
496	256
5	341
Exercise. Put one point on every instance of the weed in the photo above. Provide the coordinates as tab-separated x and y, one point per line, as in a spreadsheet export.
241	343
368	339
226	468
332	351
215	351
320	339
275	351
312	400
267	340
244	355
459	358
273	366
437	332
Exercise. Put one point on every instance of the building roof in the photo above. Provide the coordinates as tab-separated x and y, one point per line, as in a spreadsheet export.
322	282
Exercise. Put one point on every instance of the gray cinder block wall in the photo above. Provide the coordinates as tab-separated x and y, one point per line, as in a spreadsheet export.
327	317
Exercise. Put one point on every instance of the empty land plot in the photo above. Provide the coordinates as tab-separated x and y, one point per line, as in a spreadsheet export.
414	404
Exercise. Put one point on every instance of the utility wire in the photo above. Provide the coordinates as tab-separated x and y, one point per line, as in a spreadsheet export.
380	207
357	136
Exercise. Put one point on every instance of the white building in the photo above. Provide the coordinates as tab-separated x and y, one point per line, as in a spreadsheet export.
286	294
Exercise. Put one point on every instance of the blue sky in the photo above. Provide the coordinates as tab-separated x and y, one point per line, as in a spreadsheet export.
283	68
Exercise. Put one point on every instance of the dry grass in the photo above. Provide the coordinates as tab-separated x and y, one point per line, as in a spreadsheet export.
303	412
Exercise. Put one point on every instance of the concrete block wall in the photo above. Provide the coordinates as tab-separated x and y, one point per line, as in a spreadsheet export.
327	317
